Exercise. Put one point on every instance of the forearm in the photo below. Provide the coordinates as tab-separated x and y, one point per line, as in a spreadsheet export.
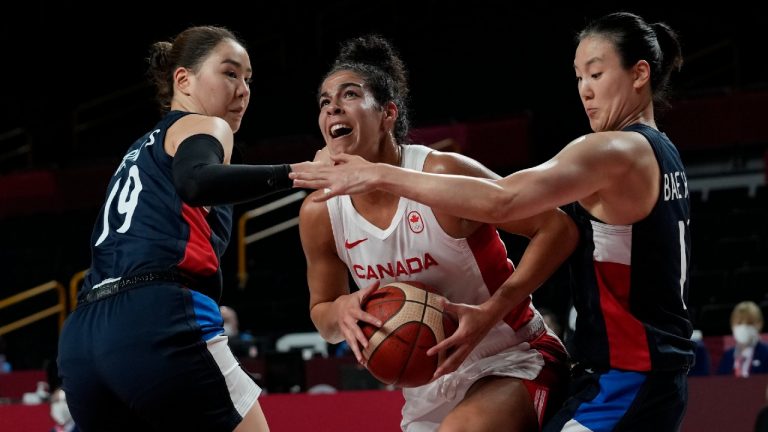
471	198
549	247
231	184
201	178
324	317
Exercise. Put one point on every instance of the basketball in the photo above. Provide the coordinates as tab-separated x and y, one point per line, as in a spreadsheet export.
412	322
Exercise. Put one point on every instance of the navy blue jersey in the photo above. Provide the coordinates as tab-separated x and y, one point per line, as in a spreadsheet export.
145	227
631	281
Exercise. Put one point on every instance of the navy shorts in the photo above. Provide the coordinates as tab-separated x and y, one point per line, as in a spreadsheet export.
618	400
152	357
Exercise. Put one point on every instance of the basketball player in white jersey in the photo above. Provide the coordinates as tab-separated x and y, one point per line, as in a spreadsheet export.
515	373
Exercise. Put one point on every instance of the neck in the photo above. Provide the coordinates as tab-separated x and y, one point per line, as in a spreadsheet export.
392	154
643	116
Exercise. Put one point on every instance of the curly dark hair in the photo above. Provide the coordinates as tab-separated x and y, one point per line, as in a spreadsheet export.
376	61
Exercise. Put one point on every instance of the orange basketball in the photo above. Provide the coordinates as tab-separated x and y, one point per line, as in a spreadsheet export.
412	322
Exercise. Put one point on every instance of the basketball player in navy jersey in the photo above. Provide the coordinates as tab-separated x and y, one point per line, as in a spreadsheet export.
144	349
625	186
514	377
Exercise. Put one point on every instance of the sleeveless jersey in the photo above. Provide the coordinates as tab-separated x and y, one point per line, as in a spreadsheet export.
415	247
631	281
145	227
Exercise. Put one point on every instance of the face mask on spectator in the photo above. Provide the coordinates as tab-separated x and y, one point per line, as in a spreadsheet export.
745	334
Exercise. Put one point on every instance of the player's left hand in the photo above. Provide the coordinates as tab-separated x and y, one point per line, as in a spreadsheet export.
349	175
474	325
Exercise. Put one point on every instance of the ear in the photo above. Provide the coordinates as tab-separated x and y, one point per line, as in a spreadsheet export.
390	113
641	73
181	79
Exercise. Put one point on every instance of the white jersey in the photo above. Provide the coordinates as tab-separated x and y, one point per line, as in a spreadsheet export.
464	270
415	247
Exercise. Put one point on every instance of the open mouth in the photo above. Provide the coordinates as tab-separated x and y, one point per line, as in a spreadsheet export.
340	130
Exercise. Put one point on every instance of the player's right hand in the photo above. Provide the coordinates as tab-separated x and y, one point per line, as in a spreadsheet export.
349	312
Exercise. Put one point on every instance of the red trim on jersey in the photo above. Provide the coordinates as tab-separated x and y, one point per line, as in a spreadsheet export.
199	257
491	257
627	339
548	390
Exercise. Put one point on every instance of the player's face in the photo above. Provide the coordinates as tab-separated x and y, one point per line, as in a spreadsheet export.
222	85
350	119
605	87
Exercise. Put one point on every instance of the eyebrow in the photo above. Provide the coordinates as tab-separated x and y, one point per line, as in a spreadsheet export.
589	62
341	87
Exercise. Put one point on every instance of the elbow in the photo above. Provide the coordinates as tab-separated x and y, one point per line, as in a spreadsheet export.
323	327
326	332
189	191
570	232
192	197
191	186
500	207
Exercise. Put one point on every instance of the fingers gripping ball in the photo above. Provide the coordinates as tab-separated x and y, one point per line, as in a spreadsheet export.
413	322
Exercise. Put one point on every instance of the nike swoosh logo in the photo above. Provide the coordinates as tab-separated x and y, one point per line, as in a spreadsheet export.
349	245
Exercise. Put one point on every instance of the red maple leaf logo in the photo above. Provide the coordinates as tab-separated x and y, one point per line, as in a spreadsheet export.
414	218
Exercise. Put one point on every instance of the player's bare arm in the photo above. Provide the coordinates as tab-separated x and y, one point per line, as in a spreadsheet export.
334	311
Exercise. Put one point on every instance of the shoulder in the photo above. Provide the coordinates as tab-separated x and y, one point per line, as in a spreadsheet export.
194	124
315	225
438	162
313	211
613	143
607	152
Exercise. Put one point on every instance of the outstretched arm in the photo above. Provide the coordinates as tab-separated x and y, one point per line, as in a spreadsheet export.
553	237
582	168
201	147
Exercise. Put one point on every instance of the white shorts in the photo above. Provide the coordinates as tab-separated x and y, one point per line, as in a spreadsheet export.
426	406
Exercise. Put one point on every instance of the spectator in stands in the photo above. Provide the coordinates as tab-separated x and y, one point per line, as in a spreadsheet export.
703	363
242	343
750	355
145	349
625	186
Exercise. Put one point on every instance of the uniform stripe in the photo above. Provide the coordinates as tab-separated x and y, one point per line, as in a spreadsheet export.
618	390
491	257
613	243
207	315
199	256
627	339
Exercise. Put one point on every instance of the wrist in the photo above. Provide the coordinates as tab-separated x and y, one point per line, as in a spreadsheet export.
280	179
498	305
380	176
